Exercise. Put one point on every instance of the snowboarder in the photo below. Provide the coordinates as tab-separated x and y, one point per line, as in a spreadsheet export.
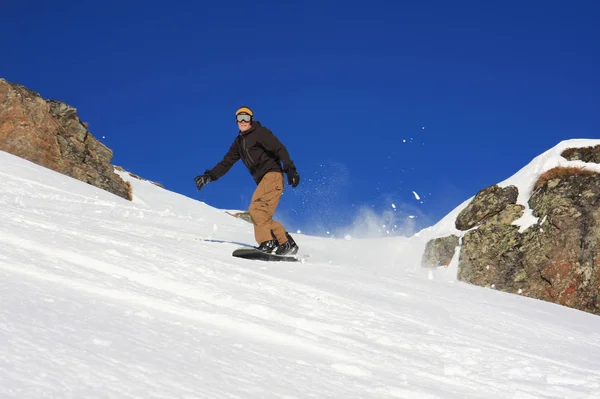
263	154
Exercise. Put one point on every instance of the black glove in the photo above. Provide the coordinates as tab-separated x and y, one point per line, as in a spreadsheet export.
293	176
202	180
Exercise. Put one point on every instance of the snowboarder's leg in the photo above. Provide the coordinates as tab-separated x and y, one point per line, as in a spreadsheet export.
262	208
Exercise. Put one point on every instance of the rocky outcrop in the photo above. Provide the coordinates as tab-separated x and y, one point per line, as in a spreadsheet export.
561	254
490	254
487	203
245	215
585	154
120	169
439	251
556	259
49	133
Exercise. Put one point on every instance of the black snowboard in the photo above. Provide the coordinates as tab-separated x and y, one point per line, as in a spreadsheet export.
255	254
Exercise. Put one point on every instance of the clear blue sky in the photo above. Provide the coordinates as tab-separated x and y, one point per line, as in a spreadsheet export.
347	86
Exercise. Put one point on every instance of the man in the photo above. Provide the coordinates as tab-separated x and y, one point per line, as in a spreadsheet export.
263	154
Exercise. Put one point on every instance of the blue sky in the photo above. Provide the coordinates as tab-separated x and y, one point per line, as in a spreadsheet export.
347	86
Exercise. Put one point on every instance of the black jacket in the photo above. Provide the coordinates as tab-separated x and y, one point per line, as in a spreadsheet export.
260	151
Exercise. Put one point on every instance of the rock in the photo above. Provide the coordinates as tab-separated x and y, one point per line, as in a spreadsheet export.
562	255
585	154
557	259
245	215
490	255
486	203
49	133
121	169
439	251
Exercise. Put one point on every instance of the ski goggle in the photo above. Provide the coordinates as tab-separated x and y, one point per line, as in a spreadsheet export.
243	118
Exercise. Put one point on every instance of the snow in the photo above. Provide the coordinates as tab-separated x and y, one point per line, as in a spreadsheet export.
108	298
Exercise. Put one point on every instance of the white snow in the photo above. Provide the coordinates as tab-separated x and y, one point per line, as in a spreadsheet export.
107	298
416	195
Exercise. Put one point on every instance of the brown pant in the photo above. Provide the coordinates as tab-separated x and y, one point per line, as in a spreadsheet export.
262	208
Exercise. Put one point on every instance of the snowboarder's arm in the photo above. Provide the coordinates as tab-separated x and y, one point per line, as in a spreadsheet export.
232	156
272	144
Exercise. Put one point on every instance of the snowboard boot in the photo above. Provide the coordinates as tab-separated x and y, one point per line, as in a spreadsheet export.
288	248
274	239
267	246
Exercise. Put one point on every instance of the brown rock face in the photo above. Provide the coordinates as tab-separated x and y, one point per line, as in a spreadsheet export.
556	260
242	215
49	133
486	203
585	154
561	256
490	255
439	251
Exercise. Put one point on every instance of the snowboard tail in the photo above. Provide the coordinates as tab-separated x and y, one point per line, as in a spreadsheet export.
255	254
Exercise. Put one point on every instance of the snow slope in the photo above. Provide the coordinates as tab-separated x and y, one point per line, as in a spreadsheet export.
106	298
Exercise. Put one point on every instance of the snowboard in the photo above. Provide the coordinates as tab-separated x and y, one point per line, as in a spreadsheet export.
255	254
